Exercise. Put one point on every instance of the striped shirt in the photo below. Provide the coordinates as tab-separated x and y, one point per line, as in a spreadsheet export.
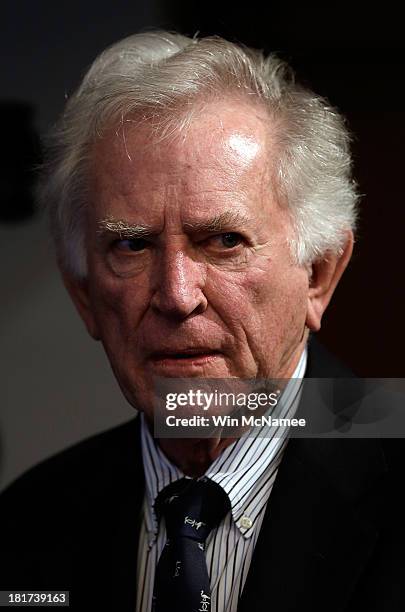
246	470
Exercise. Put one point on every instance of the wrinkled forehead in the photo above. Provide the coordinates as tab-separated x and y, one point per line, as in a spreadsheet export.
230	137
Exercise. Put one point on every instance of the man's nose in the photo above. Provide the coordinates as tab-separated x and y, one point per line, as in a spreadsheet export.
179	284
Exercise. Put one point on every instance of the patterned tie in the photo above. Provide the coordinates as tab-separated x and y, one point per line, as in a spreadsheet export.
192	508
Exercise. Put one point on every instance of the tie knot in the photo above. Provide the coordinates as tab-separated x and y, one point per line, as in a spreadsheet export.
192	508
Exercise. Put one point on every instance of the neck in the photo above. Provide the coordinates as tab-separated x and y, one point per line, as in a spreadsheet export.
193	456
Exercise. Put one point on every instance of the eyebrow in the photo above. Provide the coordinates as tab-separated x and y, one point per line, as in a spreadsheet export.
224	221
228	220
123	228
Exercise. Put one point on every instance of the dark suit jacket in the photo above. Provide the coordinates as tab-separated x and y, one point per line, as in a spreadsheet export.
332	538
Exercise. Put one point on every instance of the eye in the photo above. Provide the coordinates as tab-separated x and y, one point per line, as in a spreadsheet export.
230	239
131	244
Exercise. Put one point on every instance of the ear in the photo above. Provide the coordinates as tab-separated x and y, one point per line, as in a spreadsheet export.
78	291
326	274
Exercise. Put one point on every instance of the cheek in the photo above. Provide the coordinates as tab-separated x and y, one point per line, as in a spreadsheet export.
261	285
282	299
264	300
119	305
240	299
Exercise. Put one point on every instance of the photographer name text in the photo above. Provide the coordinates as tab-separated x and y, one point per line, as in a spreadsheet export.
228	421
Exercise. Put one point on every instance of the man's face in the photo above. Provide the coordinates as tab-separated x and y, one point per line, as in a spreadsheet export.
207	287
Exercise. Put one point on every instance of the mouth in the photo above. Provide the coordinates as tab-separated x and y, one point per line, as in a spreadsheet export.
183	358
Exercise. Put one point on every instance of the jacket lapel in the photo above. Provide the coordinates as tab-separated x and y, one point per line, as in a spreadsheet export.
314	540
319	530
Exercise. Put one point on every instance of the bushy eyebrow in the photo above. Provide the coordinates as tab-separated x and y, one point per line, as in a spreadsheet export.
229	220
123	229
226	221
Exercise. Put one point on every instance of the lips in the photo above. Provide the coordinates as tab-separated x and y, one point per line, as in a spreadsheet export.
183	353
183	361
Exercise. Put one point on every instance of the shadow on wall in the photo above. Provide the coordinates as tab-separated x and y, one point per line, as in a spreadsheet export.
20	156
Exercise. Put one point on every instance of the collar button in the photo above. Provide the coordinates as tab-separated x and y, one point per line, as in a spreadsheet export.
246	522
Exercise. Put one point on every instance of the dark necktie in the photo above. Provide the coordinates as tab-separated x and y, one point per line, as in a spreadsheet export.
192	508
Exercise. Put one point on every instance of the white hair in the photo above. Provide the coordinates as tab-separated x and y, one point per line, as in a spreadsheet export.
155	76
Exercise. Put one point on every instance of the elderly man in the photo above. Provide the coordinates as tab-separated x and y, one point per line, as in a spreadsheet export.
203	211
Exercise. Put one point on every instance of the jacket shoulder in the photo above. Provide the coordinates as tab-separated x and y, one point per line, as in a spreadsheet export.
73	474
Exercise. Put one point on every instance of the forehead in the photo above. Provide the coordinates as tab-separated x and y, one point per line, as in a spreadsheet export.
225	147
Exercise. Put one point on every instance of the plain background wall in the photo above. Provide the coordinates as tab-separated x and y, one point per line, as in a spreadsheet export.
56	382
